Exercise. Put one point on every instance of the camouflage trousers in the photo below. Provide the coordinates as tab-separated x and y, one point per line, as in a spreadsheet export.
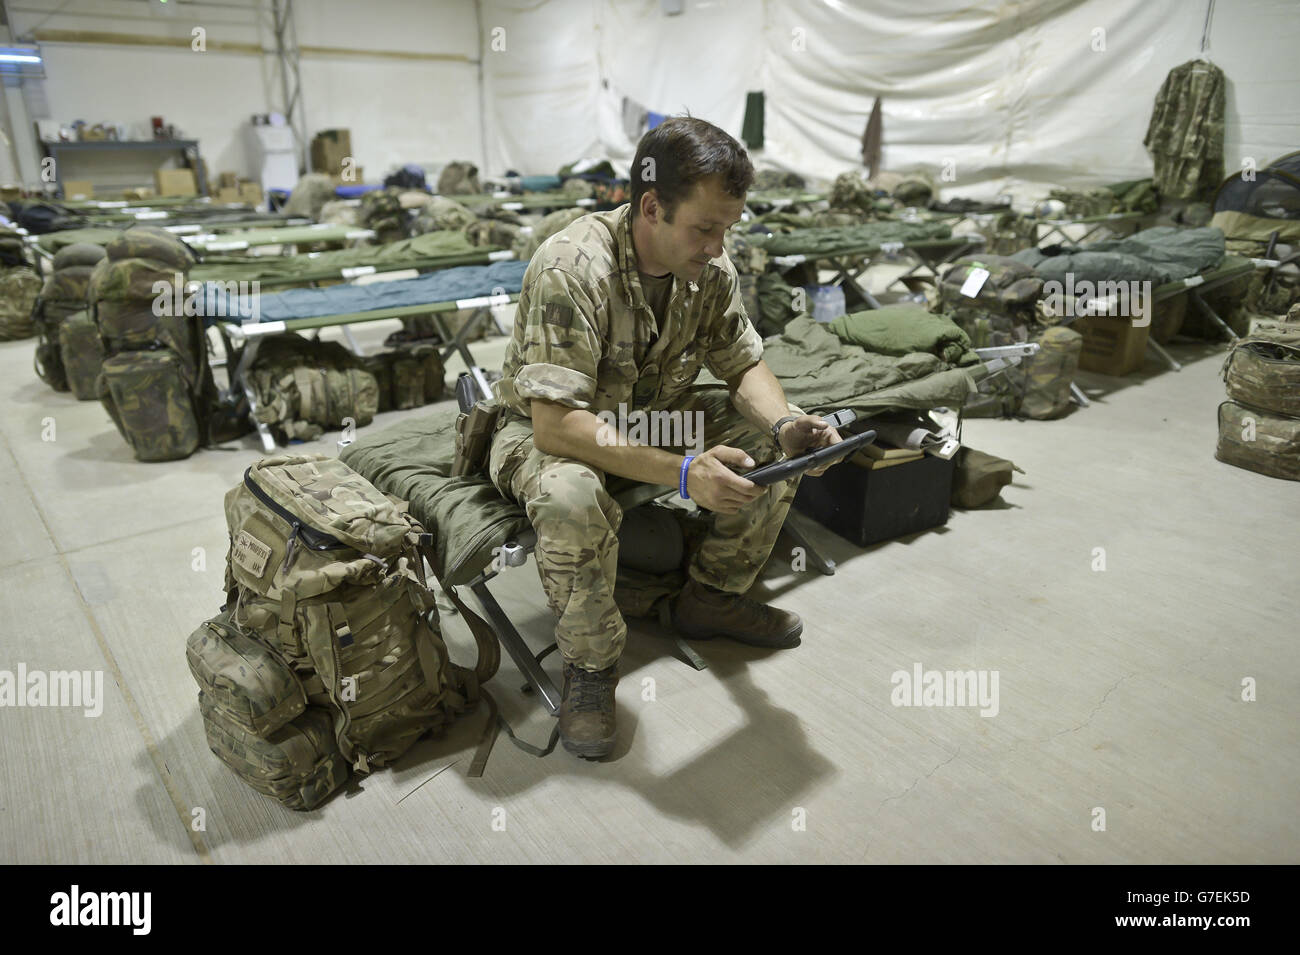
572	507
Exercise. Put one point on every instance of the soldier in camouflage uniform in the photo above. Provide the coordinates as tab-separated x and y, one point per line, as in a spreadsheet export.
620	311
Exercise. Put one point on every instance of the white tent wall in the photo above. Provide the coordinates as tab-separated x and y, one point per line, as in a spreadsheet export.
421	109
400	74
540	79
986	97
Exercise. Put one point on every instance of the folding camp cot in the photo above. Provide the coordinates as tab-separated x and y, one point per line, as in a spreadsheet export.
93	205
531	202
474	533
1230	269
780	199
301	273
1112	225
851	263
48	244
244	338
291	235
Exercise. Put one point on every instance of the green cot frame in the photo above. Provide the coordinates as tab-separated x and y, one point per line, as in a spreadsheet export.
242	340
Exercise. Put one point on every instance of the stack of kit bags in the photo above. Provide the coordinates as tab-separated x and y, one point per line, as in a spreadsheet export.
1003	310
328	657
19	286
156	382
1259	424
304	387
69	354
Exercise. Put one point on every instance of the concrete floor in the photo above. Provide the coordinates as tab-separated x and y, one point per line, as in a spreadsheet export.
1119	690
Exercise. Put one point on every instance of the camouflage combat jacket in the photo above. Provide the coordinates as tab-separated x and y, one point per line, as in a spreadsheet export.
584	336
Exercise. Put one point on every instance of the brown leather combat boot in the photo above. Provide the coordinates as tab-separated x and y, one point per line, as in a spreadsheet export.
587	712
701	612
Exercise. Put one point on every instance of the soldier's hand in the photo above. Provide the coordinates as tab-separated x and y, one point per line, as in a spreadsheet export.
713	483
808	433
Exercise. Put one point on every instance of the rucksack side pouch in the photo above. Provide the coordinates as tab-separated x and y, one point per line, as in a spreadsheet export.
151	404
249	683
299	764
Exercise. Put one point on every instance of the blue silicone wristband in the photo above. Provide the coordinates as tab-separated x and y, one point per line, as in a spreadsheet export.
681	483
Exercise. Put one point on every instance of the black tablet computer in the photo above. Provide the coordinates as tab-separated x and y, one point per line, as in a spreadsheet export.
783	470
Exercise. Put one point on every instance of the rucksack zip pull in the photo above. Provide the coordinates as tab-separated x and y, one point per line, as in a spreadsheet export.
289	551
322	541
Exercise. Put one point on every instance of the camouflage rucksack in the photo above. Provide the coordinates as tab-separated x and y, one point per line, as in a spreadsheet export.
851	193
382	211
408	377
156	383
63	295
459	179
1047	376
441	214
326	589
1263	370
19	286
1259	441
492	232
303	387
1039	387
1001	310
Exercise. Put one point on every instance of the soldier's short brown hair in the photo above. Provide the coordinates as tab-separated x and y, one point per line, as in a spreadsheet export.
678	153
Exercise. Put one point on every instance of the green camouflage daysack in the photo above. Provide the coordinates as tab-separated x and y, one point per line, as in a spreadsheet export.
156	383
408	377
304	387
324	572
63	295
1263	370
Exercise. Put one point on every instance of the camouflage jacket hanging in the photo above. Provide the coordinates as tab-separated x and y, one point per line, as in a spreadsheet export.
1185	136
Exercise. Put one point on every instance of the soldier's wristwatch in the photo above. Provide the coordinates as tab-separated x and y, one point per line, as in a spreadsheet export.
776	428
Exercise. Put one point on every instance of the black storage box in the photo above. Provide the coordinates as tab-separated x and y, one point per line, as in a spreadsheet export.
867	506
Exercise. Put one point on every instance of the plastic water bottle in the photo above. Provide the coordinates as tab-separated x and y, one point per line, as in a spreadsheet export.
827	302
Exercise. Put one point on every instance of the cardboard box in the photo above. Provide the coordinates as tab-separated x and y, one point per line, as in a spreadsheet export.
227	180
175	182
1167	318
228	194
78	189
1112	345
328	150
142	192
251	193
